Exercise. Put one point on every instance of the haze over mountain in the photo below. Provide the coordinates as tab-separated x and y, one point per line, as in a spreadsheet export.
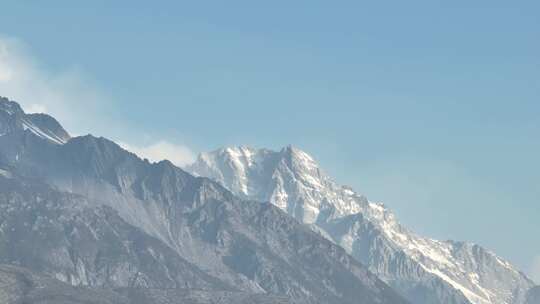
423	269
84	212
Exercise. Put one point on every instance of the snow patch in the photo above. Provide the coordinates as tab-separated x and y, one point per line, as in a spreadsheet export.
5	173
474	297
37	131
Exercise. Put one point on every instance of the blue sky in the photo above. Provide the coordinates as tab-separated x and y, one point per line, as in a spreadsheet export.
432	107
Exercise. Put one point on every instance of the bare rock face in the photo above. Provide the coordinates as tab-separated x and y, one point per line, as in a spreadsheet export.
533	296
78	242
91	214
22	286
422	269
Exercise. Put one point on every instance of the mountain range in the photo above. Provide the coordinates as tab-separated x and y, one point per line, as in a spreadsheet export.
424	270
84	221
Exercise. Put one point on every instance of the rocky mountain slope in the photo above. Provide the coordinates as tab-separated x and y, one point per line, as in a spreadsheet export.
22	286
89	213
422	269
533	296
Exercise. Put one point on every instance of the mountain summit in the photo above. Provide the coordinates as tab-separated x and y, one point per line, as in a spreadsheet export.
14	119
289	178
423	269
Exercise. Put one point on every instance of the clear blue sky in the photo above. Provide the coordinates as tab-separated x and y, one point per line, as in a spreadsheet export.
430	106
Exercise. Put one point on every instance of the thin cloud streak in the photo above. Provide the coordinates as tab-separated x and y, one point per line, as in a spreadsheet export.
72	98
68	95
162	150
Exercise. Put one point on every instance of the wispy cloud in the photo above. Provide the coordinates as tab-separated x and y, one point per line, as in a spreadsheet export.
73	98
68	94
178	154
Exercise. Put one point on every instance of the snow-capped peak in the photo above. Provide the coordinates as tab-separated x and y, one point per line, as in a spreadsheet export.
292	180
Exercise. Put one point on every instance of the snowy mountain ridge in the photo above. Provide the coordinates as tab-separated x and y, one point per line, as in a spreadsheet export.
292	180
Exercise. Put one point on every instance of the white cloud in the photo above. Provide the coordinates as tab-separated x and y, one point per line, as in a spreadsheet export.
160	150
535	270
71	97
67	94
36	108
